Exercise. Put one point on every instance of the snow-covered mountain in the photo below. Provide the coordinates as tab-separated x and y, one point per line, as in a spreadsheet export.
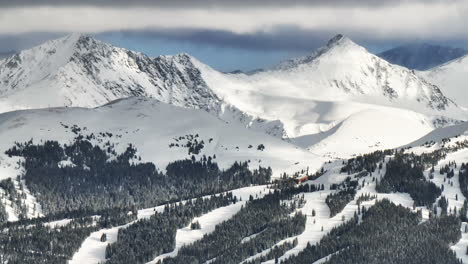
452	78
341	83
421	56
152	126
341	70
309	100
78	70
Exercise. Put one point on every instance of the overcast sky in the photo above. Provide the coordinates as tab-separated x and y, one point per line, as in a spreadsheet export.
231	34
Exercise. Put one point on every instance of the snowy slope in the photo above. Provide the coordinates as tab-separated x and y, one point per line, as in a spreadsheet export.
458	131
339	93
341	70
371	130
152	126
452	78
78	70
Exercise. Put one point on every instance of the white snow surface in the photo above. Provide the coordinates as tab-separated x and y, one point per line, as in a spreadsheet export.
456	132
452	79
151	126
78	70
341	94
311	100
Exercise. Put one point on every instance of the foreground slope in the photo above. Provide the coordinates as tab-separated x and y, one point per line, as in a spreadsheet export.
152	127
327	236
335	211
440	134
451	77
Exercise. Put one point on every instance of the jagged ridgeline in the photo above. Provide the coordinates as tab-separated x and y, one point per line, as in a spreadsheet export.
83	179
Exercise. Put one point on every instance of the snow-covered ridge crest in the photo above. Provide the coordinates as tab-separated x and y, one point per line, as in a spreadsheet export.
338	40
344	69
78	70
309	96
87	72
451	77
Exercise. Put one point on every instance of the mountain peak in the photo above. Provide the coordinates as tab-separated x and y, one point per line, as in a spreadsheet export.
335	39
74	36
77	37
70	40
338	43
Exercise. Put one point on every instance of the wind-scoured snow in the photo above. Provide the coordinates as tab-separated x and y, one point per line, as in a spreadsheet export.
152	127
305	99
371	130
439	134
78	70
314	95
452	78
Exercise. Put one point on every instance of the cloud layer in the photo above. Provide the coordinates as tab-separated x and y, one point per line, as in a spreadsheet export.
247	24
214	3
404	19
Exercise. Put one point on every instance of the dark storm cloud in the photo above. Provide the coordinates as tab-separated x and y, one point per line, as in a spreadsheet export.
10	43
284	38
280	38
268	25
211	3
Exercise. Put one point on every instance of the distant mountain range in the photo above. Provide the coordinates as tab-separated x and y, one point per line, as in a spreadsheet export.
309	100
422	56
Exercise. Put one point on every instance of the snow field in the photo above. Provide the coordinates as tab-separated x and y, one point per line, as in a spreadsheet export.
145	123
451	78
